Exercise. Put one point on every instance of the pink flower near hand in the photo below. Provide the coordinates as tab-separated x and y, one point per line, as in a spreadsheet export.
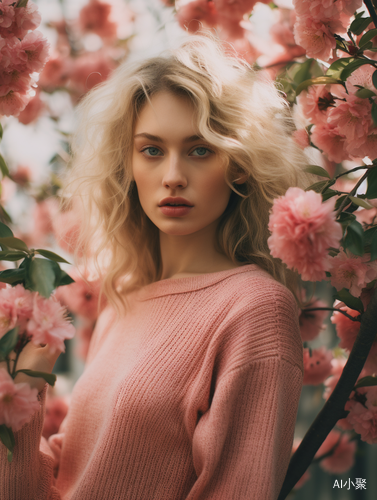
342	457
16	305
192	14
363	416
311	322
317	367
352	272
49	323
94	17
328	138
18	402
303	228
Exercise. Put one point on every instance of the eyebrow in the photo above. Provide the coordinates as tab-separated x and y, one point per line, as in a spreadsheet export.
151	137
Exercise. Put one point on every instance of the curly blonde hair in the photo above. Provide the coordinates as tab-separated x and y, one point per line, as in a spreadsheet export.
237	110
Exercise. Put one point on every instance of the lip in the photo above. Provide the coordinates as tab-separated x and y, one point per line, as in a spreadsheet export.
176	200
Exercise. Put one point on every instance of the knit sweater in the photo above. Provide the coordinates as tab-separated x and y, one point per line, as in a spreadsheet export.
191	395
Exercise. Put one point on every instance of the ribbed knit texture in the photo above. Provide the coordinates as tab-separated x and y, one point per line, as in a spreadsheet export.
192	395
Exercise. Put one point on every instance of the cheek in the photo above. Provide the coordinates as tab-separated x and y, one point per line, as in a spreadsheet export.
217	192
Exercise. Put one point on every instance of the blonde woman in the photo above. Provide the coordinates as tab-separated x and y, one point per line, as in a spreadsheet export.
194	372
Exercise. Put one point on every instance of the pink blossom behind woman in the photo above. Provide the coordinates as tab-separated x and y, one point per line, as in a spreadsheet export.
352	272
311	322
317	366
342	457
363	413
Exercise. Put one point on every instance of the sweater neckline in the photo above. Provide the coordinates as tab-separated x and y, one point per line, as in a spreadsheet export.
189	283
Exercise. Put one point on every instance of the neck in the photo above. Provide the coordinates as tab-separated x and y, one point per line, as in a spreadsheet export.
186	255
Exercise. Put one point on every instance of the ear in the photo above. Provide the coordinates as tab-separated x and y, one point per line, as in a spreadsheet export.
241	180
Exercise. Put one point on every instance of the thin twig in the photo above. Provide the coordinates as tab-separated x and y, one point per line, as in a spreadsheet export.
332	309
353	192
372	12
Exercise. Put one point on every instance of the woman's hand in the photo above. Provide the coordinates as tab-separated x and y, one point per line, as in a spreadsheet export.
33	357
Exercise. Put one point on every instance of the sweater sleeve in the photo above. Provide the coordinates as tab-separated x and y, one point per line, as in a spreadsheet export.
242	444
30	475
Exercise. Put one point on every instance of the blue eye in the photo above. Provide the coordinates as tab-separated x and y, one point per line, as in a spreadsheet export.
203	149
153	150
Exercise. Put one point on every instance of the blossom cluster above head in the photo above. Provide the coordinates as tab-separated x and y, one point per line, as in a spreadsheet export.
44	320
343	126
303	228
22	52
318	21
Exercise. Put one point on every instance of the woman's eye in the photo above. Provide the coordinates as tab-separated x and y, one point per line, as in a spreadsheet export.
202	151
152	151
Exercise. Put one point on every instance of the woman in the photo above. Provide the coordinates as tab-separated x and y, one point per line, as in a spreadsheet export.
194	371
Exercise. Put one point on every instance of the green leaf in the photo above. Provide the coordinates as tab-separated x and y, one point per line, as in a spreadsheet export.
51	255
22	3
12	276
317	186
64	279
319	80
3	167
5	232
360	24
328	194
317	170
367	37
1	131
364	93
8	342
345	219
11	256
4	214
367	381
373	247
41	274
352	66
371	192
338	66
353	302
360	202
13	242
50	378
304	72
7	437
354	239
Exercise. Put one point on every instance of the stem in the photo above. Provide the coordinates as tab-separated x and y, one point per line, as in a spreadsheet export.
353	192
364	167
333	409
372	12
332	309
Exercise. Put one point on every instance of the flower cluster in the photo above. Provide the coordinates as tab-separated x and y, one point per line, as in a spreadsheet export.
343	126
23	51
44	320
318	21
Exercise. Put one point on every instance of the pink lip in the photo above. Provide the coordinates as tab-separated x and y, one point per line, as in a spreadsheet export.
175	211
176	200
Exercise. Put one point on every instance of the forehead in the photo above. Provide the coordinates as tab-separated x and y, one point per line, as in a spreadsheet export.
167	110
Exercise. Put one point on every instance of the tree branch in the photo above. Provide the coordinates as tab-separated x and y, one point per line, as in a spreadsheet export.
372	12
333	409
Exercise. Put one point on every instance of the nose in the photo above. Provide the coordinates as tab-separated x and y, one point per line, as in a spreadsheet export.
174	175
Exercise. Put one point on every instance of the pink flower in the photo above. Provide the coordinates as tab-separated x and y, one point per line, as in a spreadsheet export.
315	102
317	367
234	9
363	413
56	72
328	138
22	175
94	17
17	21
303	228
18	402
91	69
13	103
315	37
16	305
337	365
32	111
66	227
49	323
80	297
346	329
343	456
352	272
363	77
311	322
34	53
301	138
367	148
353	118
192	14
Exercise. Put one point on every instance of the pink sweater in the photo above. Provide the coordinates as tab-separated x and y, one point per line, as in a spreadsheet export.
191	395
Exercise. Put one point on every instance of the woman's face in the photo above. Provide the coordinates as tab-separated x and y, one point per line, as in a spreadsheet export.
170	162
